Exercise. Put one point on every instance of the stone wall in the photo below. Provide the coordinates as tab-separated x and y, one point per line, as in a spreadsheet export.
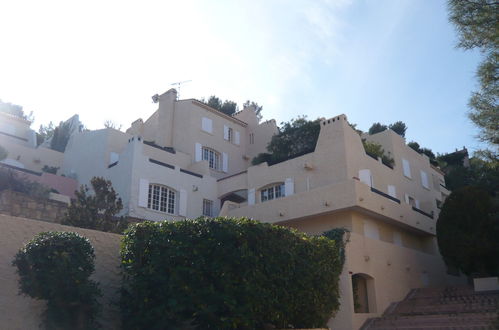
20	205
21	312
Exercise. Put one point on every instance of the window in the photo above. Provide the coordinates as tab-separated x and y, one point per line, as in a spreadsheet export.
230	134
276	191
207	125
252	138
207	208
407	168
424	180
161	198
212	157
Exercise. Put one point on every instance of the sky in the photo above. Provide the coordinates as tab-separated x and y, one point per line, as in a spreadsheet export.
375	61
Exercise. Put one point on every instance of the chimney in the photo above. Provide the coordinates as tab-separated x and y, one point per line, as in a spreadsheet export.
166	110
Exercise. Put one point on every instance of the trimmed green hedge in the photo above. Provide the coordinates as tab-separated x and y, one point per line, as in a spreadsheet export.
55	266
227	273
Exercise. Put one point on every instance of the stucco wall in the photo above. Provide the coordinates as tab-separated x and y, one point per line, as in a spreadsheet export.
20	312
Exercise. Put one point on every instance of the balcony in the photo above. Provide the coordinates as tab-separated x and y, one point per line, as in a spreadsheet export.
349	194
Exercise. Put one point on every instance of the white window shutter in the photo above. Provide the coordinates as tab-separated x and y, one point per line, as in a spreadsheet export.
198	152
207	125
225	162
417	204
251	197
407	198
365	177
371	230
289	187
237	138
407	168
424	180
182	203
392	191
113	157
226	132
397	238
143	192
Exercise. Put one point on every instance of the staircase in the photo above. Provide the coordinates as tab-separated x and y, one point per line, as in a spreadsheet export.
441	308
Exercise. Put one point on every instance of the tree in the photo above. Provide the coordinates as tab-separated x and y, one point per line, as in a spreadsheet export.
476	22
376	128
112	124
229	107
45	133
60	137
398	127
96	211
295	138
257	108
467	231
215	102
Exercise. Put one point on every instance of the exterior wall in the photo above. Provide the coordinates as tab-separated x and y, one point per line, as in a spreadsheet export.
21	205
30	158
17	130
21	312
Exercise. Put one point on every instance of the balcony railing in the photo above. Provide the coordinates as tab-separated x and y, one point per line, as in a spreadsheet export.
429	215
379	192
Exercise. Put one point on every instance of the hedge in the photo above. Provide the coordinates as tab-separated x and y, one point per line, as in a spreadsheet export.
55	266
224	273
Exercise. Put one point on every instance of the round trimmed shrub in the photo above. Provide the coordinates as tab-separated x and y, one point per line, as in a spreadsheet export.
55	266
226	273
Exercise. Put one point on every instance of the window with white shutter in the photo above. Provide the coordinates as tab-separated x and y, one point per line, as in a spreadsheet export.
289	187
424	180
406	167
237	138
207	125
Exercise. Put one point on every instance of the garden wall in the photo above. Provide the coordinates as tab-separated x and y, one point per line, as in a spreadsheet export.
20	205
20	312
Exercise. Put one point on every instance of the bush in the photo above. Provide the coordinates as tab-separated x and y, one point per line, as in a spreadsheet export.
467	232
11	180
227	273
55	266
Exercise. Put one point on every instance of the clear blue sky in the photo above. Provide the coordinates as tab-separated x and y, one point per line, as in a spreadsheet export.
375	61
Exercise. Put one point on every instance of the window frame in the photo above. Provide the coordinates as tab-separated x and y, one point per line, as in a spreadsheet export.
273	191
161	198
213	157
208	206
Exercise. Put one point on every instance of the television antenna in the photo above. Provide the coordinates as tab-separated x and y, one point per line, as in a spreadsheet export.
178	84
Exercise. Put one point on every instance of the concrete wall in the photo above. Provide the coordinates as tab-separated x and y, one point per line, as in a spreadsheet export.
21	312
21	205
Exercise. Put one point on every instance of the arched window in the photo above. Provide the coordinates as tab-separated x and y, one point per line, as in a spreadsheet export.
273	191
161	198
364	298
213	158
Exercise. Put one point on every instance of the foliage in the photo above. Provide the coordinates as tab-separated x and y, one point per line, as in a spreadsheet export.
3	153
112	124
11	180
45	133
295	138
16	110
426	151
227	107
60	137
476	22
55	266
375	150
376	128
398	127
482	172
96	211
467	231
50	169
222	273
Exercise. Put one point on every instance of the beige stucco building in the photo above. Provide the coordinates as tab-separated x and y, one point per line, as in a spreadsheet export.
188	160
